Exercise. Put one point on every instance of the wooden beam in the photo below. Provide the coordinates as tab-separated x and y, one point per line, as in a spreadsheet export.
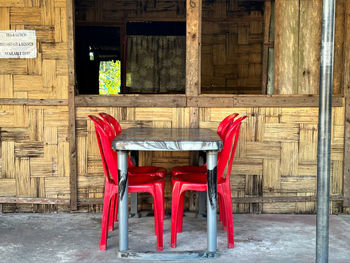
137	100
282	101
207	101
203	101
33	102
281	199
71	108
243	200
39	201
346	84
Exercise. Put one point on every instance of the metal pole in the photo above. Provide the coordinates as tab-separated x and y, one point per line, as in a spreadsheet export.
211	200
324	131
123	200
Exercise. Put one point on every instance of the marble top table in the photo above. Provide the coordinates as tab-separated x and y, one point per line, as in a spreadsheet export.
167	139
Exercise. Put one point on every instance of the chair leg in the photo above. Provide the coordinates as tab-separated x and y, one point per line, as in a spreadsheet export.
111	214
223	212
174	212
155	212
180	213
159	205
105	215
229	219
116	208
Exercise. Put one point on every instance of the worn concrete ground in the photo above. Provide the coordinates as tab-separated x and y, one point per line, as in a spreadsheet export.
258	238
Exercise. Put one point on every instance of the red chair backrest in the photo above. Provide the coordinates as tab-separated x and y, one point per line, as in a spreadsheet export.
112	121
224	124
105	135
230	144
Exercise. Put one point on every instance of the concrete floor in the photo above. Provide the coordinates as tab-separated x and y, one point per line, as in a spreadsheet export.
258	238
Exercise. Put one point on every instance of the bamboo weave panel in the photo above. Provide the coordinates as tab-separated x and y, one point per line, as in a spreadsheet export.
276	155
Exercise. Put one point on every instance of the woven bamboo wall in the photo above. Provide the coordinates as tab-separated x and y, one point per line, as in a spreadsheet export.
232	46
276	155
34	156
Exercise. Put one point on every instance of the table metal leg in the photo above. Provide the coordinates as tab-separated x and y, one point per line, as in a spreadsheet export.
123	199
211	200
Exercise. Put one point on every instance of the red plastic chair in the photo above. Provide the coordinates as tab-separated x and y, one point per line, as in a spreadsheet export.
132	169
189	170
198	182
137	183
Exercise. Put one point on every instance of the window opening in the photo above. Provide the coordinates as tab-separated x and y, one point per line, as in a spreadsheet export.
98	59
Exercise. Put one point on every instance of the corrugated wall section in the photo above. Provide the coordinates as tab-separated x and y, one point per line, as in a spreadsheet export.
276	156
34	155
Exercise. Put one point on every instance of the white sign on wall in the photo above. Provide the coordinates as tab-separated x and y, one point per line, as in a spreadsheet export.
17	44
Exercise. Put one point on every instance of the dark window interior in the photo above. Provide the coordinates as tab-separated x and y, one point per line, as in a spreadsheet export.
94	44
156	28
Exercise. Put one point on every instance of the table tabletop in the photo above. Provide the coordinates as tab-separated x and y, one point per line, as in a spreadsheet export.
167	139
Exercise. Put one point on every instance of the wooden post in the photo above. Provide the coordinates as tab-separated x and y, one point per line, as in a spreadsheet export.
193	68
286	46
309	46
71	107
346	83
267	16
193	50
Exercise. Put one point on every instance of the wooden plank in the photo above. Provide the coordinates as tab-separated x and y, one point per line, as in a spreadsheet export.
131	101
281	101
39	201
246	200
286	46
309	46
339	31
193	50
203	101
199	101
71	108
267	18
33	102
346	84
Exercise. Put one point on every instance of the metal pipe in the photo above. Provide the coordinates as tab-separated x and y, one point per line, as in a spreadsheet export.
123	200
324	131
211	200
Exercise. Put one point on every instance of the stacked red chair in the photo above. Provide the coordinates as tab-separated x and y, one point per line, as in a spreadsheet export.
149	183
197	181
188	170
132	169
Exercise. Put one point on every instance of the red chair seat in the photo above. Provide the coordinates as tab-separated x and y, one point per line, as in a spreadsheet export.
147	170
194	179
188	170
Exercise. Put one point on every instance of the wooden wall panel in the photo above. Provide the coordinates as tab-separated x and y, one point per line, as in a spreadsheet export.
34	156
